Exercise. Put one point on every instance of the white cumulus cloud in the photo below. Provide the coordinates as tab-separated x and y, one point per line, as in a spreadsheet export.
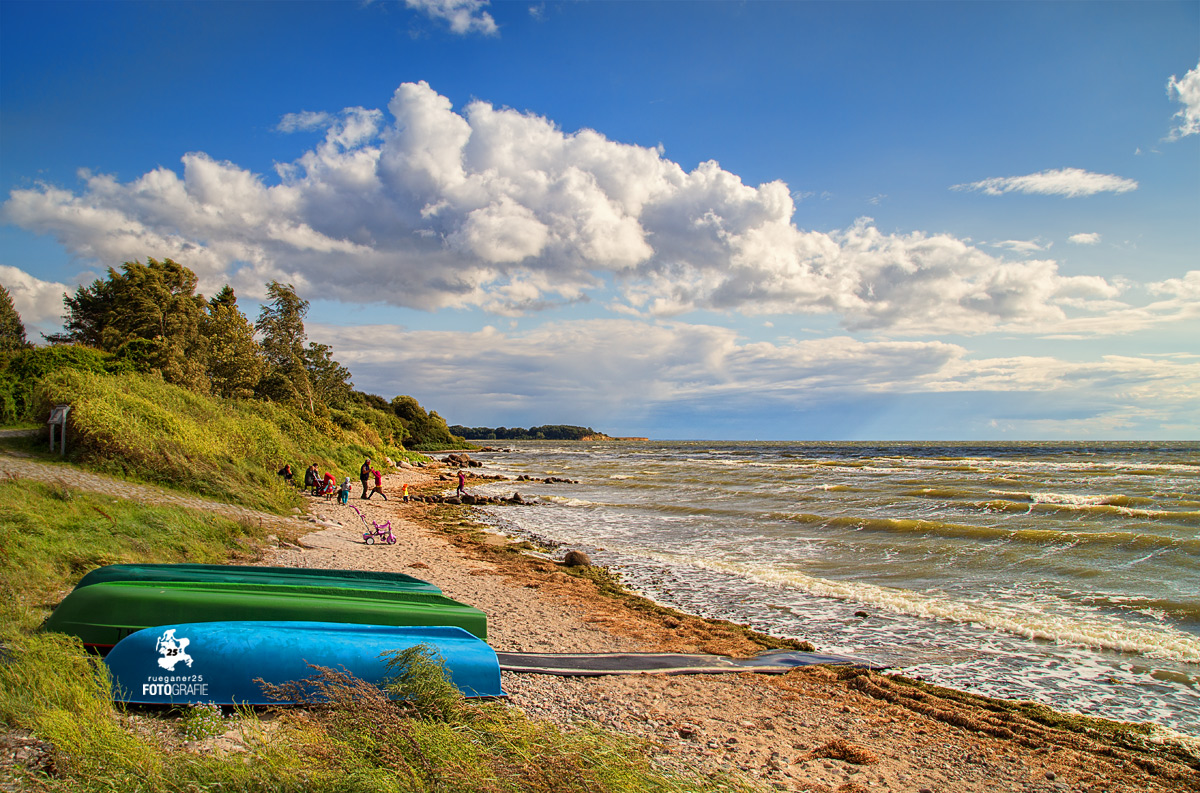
463	16
40	303
429	207
1186	288
1187	93
1022	246
1085	238
1066	182
304	120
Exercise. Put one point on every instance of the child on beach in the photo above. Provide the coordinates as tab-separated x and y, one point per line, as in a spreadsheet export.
378	486
404	491
462	482
344	492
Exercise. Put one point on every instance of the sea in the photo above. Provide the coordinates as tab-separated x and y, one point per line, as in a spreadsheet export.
1063	573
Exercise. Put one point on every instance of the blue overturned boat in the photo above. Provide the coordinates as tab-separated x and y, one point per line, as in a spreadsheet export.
226	663
252	574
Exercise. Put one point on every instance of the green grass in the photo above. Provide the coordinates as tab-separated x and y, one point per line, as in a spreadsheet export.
356	739
53	534
141	428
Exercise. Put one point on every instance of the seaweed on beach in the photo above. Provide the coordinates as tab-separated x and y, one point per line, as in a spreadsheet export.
1033	725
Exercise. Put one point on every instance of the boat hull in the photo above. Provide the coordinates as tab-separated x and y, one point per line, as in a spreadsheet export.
226	663
246	574
103	614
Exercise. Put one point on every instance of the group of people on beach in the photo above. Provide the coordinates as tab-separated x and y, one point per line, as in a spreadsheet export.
328	486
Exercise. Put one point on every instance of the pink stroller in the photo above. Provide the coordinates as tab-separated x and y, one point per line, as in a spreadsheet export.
381	530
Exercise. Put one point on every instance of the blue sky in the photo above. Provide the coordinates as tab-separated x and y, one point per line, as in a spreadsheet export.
680	220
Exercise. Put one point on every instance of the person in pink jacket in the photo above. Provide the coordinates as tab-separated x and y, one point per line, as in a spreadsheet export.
378	486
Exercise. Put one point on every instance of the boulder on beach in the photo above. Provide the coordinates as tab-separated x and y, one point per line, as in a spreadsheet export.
577	559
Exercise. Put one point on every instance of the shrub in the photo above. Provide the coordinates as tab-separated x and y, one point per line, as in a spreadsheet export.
21	373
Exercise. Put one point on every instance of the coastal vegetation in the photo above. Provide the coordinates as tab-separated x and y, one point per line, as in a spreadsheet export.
168	387
55	699
549	432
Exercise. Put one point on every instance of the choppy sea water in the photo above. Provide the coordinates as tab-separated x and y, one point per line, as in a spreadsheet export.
1063	573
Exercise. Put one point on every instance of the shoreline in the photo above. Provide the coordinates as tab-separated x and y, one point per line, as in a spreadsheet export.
814	729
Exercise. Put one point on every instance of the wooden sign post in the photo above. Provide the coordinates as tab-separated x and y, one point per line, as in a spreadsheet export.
58	418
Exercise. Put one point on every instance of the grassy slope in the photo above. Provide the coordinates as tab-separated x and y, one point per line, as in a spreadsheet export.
140	427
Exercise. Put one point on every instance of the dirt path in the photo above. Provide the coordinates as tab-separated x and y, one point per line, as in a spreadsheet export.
13	464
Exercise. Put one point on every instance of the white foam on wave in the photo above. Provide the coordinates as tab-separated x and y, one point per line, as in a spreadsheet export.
1028	621
1117	504
567	502
1114	466
1072	499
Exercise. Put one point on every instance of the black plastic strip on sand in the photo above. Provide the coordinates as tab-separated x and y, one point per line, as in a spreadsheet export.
591	664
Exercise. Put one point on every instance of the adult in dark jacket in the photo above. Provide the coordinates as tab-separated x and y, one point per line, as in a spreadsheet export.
364	474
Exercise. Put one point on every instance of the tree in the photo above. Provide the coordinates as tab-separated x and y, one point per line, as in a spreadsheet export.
408	408
148	314
330	380
225	297
12	330
310	372
426	429
281	329
235	364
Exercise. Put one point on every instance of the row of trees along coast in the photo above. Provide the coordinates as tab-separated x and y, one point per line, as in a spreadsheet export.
547	432
172	387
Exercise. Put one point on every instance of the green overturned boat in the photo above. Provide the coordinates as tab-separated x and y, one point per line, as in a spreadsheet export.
103	614
247	574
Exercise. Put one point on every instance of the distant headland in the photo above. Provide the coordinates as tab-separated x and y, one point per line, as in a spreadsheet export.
548	432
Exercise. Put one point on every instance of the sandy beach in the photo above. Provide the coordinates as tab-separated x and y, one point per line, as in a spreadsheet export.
815	729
